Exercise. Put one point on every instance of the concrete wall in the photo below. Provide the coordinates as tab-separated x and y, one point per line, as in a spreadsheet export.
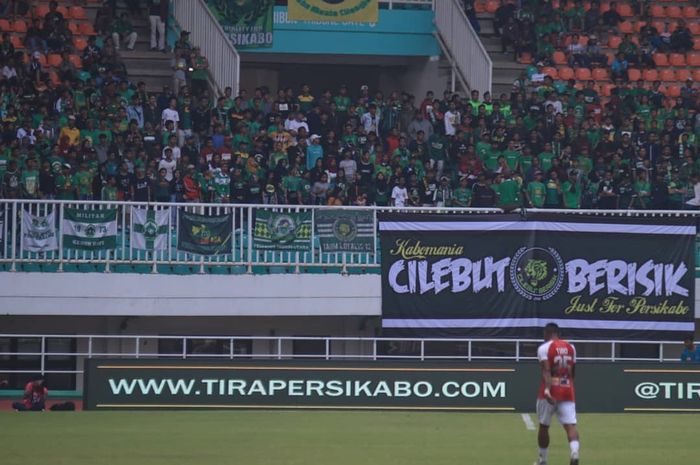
201	295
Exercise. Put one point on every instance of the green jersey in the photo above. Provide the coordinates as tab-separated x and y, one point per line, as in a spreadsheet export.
552	193
512	158
537	193
30	183
461	197
509	192
83	179
572	194
546	160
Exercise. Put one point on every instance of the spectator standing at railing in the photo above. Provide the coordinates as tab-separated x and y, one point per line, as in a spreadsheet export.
691	352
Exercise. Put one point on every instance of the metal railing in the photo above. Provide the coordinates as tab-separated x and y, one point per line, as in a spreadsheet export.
329	348
241	257
207	34
242	253
470	61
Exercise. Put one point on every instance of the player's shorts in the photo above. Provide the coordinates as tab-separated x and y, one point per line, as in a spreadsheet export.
566	412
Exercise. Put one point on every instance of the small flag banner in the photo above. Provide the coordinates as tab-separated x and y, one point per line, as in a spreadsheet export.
282	231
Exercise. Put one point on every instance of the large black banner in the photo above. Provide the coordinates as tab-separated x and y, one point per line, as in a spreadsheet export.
371	385
507	276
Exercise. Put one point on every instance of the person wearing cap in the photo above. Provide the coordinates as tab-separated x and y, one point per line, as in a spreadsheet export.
70	132
34	397
314	151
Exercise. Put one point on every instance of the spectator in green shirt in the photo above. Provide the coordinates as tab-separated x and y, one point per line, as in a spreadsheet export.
536	191
83	180
571	191
29	180
65	184
462	196
122	29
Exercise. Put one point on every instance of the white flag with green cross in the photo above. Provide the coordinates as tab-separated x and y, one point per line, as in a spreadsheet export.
149	228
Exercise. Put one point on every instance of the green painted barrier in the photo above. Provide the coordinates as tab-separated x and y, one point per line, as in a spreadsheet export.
185	384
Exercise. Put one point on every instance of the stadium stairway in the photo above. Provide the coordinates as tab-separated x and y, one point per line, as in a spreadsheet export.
142	64
505	69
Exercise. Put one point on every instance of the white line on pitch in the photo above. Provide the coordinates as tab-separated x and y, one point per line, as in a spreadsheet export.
528	422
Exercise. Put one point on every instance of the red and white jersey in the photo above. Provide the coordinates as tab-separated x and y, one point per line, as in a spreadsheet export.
561	357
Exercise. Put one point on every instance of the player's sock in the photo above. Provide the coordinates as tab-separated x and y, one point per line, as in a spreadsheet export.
574	446
543	454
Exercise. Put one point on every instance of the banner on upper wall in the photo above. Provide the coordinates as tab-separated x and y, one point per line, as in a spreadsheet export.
345	231
357	11
248	23
149	229
90	229
282	231
204	234
508	276
39	232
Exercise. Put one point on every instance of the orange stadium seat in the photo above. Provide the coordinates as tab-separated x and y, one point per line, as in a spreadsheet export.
690	12
672	27
41	10
583	74
566	73
606	89
674	11
492	6
605	6
634	74
42	59
696	75
480	7
87	29
683	74
559	58
555	4
583	40
624	9
694	28
600	74
586	5
677	59
626	27
63	10
77	12
614	41
638	25
696	43
657	11
19	26
525	58
54	60
673	91
5	25
17	42
75	59
667	75
694	59
549	71
660	59
659	26
54	78
80	43
650	75
74	28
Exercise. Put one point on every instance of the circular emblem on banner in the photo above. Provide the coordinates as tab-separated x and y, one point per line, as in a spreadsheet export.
335	8
344	229
537	273
90	230
150	229
283	228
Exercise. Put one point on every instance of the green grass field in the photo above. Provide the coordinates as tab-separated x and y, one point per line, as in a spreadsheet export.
334	438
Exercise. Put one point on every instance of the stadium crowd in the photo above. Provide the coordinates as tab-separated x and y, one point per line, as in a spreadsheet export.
93	134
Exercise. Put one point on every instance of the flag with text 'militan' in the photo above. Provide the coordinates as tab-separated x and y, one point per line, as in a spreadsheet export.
342	11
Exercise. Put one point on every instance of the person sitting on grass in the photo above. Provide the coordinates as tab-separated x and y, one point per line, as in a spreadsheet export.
34	399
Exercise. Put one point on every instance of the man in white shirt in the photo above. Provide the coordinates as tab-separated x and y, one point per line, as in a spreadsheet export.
174	149
26	131
168	164
370	120
399	194
296	123
171	114
452	120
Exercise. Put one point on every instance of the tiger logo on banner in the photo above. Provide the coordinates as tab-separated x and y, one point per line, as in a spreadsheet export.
358	11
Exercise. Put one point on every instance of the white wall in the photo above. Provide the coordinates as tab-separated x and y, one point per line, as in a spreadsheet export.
197	295
97	294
